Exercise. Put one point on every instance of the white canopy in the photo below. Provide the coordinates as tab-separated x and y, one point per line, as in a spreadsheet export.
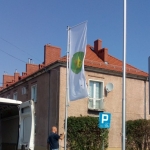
9	101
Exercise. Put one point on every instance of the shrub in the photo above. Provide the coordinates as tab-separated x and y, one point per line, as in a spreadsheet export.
83	134
138	134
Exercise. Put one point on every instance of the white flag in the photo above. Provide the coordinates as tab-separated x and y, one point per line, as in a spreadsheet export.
77	82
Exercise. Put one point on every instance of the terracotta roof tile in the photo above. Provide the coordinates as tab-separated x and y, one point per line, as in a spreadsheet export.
114	64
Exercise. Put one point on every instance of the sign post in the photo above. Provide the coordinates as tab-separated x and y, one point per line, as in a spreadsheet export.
104	122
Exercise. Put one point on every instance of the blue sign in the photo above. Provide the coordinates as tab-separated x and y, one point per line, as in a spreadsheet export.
104	120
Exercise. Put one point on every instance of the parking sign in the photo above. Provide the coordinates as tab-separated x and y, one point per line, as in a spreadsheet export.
104	120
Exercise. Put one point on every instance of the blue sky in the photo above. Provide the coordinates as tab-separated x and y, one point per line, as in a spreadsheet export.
27	25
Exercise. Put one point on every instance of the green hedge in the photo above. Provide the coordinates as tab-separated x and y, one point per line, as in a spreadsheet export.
138	134
83	134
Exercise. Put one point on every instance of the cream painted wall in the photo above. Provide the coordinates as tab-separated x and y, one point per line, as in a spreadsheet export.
113	103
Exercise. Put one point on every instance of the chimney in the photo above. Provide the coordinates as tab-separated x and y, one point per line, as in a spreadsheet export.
31	68
6	79
51	54
16	76
101	52
97	45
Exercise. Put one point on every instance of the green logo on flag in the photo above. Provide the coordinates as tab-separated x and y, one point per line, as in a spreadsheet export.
76	63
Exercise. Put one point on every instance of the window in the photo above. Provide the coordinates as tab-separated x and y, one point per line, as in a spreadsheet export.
34	93
15	96
8	96
96	98
24	90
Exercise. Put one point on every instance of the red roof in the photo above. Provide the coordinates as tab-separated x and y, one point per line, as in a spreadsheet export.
96	57
114	64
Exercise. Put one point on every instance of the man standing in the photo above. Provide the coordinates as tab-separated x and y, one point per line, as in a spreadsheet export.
53	139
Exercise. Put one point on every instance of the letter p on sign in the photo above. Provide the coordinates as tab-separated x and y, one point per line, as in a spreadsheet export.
104	120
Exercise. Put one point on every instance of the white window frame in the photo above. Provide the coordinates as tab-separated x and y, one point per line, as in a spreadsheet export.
34	92
24	90
15	96
94	99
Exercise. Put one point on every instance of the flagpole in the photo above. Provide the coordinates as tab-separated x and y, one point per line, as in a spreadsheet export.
124	84
75	34
149	79
67	88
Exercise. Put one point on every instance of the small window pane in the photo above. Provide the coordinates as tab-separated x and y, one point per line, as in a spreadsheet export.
97	93
26	110
90	103
91	89
101	104
101	90
97	104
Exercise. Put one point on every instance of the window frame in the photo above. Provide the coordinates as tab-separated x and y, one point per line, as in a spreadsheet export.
24	90
94	94
15	93
34	98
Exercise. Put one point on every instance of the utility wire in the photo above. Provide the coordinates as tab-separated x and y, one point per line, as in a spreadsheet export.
18	48
12	56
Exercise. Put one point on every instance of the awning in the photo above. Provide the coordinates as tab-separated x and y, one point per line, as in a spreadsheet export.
6	104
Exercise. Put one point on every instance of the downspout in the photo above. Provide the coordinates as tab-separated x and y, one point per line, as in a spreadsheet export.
57	98
145	99
49	73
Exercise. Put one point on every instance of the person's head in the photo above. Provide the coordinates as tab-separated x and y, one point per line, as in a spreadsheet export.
54	129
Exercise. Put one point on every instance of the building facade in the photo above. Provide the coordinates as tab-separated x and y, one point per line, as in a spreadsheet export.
46	85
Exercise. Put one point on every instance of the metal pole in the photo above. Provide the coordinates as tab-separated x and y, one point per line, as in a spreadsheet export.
49	74
124	84
67	90
144	99
149	80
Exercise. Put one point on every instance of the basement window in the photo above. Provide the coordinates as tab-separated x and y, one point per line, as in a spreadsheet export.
96	95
